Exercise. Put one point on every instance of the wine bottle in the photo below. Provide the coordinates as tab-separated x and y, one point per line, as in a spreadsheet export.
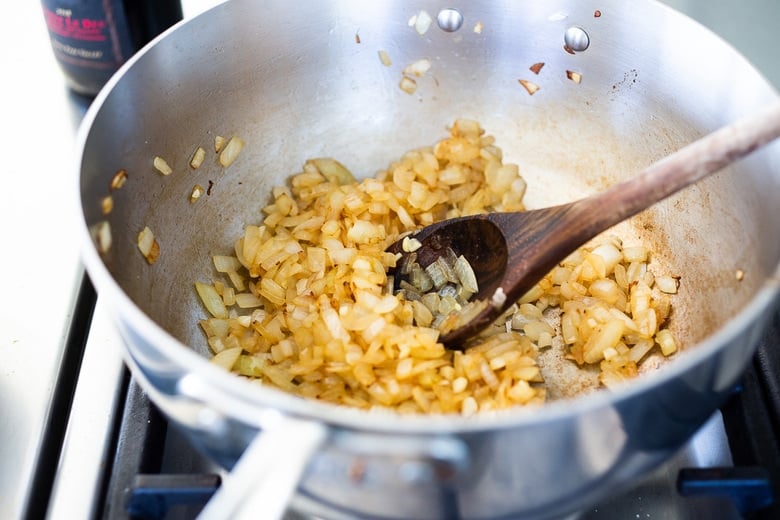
91	39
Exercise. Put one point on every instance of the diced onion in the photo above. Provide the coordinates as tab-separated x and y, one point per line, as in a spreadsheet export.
529	86
103	236
148	245
196	193
667	284
211	300
219	143
198	157
333	170
666	340
423	22
118	180
227	358
162	166
384	58
408	85
107	204
418	68
226	264
304	302
231	150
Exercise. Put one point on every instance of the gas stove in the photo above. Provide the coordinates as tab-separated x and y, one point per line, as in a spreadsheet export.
122	460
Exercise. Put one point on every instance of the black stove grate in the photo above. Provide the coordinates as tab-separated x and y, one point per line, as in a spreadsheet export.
752	415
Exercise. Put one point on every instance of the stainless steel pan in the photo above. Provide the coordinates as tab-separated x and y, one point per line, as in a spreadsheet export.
294	83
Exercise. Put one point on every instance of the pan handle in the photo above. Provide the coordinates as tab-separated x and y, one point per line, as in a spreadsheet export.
267	474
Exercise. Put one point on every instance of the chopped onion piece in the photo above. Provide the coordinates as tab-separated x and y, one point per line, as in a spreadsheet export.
478	27
226	264
667	284
576	77
607	336
423	22
197	158
211	300
333	170
107	204
148	245
103	236
227	358
465	274
536	67
410	244
418	68
231	151
635	254
197	192
666	340
499	298
408	85
118	180
162	166
384	58
219	143
248	301
529	86
434	271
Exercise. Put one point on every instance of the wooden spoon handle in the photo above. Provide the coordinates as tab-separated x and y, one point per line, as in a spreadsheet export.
679	170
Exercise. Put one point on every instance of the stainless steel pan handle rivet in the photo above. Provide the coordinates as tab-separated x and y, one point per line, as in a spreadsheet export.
576	38
449	19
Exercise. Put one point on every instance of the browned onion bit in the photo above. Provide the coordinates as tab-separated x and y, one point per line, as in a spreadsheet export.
196	193
529	86
107	204
118	180
148	245
576	77
536	67
597	14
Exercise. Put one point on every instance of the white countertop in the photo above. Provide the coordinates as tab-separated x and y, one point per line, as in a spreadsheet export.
40	250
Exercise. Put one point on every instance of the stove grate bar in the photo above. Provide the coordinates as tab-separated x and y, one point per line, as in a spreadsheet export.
152	496
747	487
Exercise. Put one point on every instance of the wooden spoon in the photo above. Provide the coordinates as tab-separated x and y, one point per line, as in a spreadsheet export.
510	252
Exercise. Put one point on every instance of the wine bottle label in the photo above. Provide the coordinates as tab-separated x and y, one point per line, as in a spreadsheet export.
89	34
